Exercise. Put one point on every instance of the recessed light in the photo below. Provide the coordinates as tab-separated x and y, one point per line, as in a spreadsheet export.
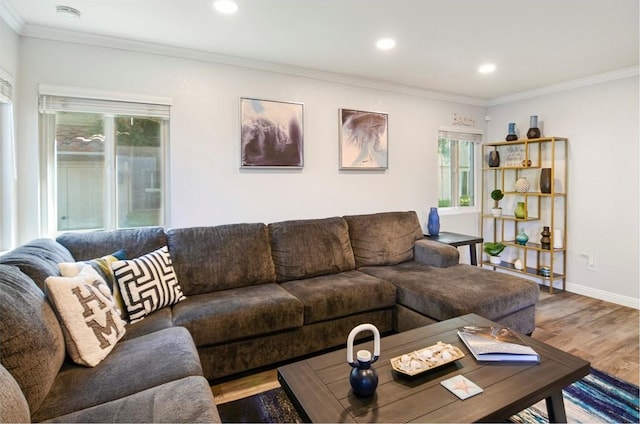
227	7
385	43
487	68
68	12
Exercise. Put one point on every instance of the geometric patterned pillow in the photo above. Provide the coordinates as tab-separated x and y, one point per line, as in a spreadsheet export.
147	283
87	314
103	267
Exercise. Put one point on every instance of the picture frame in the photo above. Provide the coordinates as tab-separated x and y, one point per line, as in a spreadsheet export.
271	134
363	139
514	156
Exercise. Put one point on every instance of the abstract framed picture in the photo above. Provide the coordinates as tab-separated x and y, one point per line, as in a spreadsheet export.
272	133
364	139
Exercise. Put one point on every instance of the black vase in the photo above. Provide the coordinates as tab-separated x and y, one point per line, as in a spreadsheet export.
534	131
545	180
545	241
494	159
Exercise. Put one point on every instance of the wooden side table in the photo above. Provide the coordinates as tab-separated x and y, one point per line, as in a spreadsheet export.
455	240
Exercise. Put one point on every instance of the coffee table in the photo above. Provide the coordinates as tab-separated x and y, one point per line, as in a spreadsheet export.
319	386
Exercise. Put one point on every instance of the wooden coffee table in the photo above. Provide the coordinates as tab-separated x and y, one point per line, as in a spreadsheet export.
319	386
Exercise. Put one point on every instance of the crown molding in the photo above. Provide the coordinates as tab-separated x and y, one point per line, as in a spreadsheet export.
54	34
11	17
568	85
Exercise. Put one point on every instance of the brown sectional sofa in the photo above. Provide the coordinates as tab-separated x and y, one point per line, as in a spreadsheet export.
256	295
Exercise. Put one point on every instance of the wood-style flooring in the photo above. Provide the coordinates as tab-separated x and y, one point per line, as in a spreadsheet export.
603	333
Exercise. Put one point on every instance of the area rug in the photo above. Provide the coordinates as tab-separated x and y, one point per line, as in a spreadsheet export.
597	398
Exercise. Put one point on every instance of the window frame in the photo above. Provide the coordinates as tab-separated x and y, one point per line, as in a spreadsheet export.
135	105
8	167
477	134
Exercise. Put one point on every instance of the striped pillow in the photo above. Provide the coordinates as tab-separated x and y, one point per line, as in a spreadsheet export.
147	283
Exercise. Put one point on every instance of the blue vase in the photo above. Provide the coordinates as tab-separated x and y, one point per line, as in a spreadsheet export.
433	222
522	238
363	377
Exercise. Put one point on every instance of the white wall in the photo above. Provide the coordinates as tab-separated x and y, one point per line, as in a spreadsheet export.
207	186
602	124
9	49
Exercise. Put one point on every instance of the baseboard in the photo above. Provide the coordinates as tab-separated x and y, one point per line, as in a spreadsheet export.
604	295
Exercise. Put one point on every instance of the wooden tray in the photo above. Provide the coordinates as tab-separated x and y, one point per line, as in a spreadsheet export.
419	361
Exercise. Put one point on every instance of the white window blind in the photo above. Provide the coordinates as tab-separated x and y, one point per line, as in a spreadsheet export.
53	103
6	91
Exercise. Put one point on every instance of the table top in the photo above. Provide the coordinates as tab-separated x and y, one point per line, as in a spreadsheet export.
320	389
454	239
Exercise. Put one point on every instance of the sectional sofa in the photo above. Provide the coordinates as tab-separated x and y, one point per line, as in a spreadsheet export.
251	295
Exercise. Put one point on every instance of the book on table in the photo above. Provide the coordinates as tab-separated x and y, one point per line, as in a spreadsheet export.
488	344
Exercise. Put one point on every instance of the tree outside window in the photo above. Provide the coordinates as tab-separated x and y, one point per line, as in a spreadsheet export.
456	169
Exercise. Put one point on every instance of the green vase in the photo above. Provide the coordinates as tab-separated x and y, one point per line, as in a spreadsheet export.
521	211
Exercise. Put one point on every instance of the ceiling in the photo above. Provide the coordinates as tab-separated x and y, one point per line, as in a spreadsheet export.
439	43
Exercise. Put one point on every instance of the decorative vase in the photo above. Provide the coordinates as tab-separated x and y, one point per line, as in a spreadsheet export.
534	131
522	185
493	159
363	377
545	180
511	136
545	241
521	211
433	222
522	238
518	265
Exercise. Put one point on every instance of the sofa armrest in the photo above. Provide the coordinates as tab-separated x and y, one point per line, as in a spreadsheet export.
429	252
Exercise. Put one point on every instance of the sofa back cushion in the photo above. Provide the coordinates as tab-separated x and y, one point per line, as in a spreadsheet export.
135	241
31	342
208	259
38	259
385	238
308	248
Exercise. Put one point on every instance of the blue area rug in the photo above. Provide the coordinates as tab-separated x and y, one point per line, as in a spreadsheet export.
599	397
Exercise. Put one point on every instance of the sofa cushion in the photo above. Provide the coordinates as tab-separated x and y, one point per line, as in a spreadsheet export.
102	266
94	244
91	323
13	406
338	295
132	366
38	259
307	248
443	293
208	259
31	341
157	321
385	238
147	283
233	314
188	400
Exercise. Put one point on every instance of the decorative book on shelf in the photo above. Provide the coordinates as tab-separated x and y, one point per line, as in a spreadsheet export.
496	344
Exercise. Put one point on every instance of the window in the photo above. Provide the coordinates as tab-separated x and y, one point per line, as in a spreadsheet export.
456	169
106	163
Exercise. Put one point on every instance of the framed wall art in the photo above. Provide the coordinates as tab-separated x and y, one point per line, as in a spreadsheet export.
364	138
272	133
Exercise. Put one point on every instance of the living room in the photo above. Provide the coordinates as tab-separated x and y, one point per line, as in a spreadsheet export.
597	112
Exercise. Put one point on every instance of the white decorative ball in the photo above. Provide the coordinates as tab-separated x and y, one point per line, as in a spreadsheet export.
522	185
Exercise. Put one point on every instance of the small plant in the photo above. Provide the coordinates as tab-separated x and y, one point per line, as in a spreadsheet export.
497	196
494	249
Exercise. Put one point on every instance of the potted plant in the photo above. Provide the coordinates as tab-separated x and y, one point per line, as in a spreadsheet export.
496	195
494	250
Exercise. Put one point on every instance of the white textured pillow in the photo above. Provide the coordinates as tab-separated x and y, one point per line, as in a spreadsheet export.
90	322
147	283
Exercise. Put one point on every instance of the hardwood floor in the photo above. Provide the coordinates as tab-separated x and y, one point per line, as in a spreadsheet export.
600	332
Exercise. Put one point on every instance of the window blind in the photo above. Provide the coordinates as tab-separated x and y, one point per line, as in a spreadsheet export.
452	135
53	103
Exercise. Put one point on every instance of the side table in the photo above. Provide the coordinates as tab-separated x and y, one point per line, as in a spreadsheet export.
455	240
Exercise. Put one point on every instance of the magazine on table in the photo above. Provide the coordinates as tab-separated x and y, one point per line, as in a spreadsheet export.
496	344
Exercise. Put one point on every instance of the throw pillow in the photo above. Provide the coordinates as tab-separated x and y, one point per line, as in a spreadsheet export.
103	267
147	283
90	322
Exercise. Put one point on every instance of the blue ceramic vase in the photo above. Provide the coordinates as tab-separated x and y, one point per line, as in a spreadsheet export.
522	238
363	377
433	222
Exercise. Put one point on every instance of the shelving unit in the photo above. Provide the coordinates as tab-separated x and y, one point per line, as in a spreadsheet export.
526	158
